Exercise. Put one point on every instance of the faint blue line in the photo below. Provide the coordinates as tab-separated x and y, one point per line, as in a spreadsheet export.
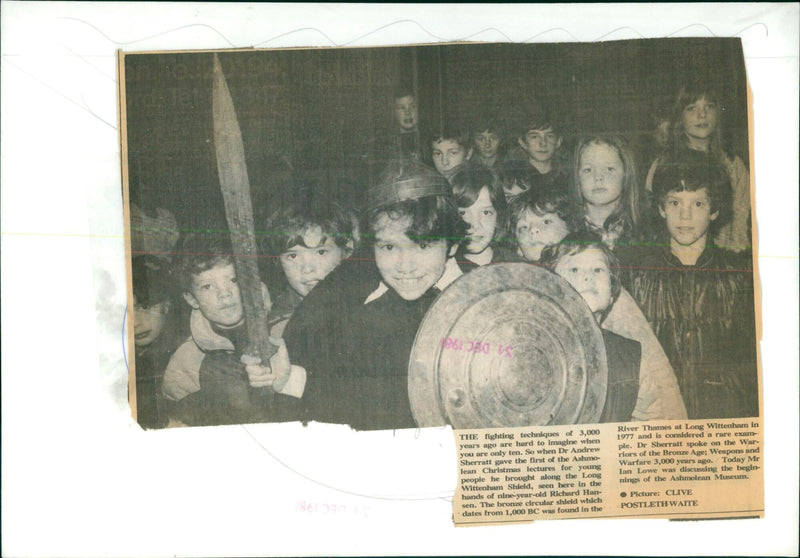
124	321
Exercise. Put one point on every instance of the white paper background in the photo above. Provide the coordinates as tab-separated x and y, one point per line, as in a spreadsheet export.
80	478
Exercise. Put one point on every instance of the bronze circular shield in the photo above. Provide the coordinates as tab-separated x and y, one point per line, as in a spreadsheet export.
508	345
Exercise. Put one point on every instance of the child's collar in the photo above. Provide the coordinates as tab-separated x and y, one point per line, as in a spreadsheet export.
377	293
703	258
204	335
450	274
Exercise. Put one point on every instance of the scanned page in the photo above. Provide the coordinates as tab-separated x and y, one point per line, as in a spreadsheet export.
547	247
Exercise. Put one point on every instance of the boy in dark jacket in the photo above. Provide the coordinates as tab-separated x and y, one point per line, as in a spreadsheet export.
698	297
401	141
539	138
354	332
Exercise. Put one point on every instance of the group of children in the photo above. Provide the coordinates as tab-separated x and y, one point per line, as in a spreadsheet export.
654	261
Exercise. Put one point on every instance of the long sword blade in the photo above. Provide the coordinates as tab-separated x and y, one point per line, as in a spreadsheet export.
235	187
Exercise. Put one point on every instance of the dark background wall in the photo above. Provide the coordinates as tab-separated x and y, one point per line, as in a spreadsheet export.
309	116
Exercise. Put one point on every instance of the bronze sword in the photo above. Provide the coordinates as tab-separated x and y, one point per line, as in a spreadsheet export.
235	186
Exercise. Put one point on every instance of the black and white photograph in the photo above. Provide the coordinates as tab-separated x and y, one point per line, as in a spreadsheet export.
474	235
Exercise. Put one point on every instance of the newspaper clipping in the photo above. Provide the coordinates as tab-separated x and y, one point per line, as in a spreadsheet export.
682	470
546	247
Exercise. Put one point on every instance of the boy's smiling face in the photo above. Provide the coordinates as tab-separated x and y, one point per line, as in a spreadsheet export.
688	216
540	145
307	264
215	292
409	267
535	232
588	273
